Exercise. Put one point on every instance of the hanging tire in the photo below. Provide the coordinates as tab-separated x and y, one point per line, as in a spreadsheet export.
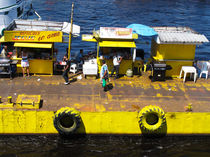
67	121
152	120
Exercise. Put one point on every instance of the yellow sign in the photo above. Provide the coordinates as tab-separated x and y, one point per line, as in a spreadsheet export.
33	36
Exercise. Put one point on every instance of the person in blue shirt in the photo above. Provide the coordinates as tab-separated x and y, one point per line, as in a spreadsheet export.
79	57
104	73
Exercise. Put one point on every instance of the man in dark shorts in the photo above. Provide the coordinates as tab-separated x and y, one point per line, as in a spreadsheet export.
66	70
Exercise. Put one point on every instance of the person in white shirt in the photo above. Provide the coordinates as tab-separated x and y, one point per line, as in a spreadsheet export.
25	63
116	62
4	52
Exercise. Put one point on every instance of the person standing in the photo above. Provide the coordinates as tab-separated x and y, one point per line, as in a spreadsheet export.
4	51
116	62
104	73
66	70
25	63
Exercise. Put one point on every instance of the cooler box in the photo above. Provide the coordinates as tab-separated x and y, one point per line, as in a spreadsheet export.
90	67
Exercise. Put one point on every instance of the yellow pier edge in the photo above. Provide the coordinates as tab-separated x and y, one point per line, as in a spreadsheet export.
41	122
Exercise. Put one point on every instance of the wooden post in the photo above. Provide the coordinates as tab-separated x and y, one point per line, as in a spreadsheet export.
70	33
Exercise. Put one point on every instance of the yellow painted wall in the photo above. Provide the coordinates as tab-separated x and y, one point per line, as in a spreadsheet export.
173	51
176	67
39	122
178	55
38	66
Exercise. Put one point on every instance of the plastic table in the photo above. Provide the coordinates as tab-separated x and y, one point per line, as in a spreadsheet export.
188	69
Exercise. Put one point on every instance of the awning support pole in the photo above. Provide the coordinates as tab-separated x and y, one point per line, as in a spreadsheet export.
71	28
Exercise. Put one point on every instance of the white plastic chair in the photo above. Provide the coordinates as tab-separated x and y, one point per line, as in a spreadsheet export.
73	68
188	69
204	69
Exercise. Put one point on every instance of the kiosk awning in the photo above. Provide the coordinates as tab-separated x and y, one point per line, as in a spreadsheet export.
34	45
128	44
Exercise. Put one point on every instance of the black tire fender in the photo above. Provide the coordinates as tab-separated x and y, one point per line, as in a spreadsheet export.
151	119
67	120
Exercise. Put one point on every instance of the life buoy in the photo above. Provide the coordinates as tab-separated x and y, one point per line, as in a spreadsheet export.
67	120
151	119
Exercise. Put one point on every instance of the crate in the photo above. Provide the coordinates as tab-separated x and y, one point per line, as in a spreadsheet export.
8	104
28	101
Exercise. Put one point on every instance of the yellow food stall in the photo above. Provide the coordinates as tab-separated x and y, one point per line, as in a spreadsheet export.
39	45
37	38
113	39
176	47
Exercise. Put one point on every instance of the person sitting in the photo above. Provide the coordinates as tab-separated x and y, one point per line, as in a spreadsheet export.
79	57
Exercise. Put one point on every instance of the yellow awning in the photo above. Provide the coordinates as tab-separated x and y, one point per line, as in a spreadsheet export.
34	45
128	44
88	37
2	39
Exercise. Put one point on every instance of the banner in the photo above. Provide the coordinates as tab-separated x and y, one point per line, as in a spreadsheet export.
115	33
33	36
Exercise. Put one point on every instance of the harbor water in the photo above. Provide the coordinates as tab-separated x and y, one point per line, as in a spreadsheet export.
92	14
103	146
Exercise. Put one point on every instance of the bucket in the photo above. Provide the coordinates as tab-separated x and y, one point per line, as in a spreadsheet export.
129	73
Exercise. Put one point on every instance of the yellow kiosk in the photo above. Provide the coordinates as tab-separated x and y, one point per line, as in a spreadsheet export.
176	47
39	46
37	39
110	39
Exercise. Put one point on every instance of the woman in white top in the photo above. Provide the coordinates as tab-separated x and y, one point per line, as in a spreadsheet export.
25	63
4	51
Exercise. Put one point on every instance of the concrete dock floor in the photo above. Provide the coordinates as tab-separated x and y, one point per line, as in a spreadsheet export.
127	94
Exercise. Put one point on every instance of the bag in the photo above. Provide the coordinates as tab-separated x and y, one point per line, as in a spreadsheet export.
106	77
104	83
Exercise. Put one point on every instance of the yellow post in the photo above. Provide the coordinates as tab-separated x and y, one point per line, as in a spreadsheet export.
70	33
9	99
0	99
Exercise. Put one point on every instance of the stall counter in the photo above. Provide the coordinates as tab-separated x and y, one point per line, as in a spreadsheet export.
38	66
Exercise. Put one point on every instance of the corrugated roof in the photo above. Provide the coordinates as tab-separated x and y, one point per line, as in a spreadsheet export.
34	25
181	37
174	29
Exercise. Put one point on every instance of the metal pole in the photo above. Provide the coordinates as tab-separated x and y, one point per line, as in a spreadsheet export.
70	33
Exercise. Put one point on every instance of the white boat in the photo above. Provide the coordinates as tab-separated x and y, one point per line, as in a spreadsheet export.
14	9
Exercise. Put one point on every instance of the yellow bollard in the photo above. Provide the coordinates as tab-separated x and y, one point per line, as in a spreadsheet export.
188	107
0	99
9	99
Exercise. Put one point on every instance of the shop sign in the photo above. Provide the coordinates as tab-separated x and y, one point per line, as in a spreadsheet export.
115	33
33	36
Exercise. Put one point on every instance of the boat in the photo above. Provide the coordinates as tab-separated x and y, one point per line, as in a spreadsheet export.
151	102
15	9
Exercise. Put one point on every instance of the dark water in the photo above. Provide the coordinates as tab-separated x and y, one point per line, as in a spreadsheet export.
91	14
108	146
